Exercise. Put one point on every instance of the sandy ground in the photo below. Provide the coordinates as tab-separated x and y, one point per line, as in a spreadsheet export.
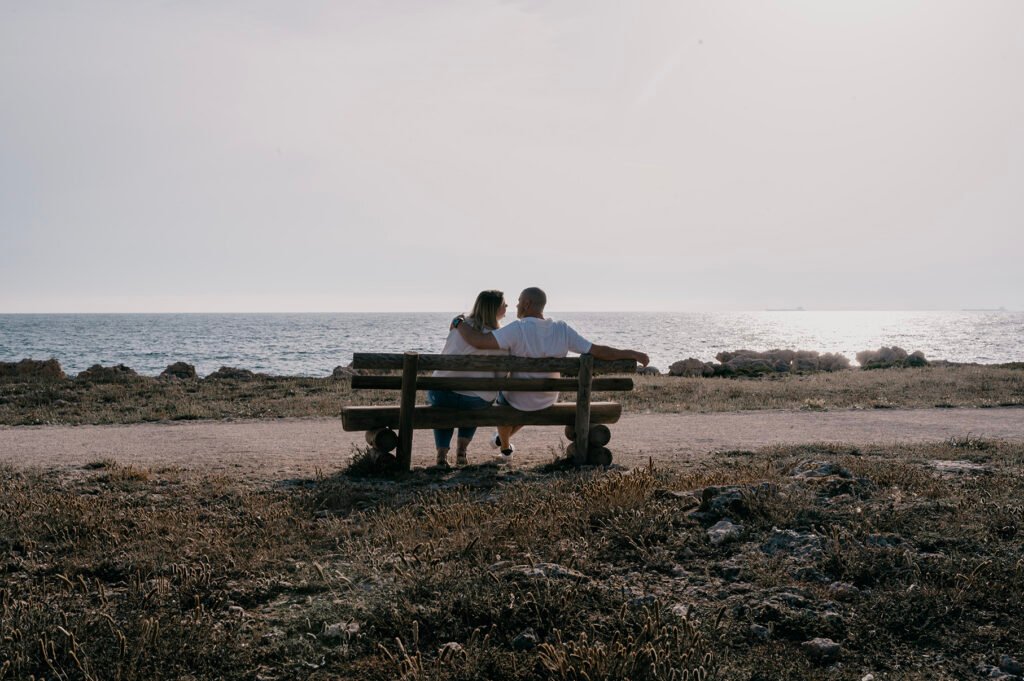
298	448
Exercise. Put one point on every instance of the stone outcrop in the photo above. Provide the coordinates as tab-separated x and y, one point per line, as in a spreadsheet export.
97	373
32	370
753	363
231	373
691	367
891	357
833	361
341	372
179	370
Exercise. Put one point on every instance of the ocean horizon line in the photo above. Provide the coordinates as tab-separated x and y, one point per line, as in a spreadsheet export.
558	311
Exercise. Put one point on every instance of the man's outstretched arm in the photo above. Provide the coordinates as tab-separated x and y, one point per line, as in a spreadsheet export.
610	353
478	339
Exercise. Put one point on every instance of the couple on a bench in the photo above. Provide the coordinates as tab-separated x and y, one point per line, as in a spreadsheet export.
531	335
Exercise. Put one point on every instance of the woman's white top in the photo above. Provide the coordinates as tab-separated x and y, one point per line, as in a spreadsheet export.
457	345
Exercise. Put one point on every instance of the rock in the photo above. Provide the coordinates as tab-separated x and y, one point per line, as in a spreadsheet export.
1010	666
833	362
882	358
691	367
806	365
759	633
681	610
648	371
526	640
643	601
991	672
687	500
795	543
843	591
550	571
916	359
883	541
723	531
750	366
339	632
822	650
341	372
180	370
720	501
730	570
232	373
101	374
32	370
960	467
819	469
717	502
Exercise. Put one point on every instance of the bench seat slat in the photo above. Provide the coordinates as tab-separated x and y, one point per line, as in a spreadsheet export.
393	360
454	383
561	414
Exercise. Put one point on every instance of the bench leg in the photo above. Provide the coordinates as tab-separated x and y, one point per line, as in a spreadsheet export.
583	408
406	409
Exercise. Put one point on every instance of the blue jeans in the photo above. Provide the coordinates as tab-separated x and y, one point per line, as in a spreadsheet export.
446	399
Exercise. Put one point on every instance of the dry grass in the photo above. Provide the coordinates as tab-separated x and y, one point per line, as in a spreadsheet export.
965	386
486	573
143	399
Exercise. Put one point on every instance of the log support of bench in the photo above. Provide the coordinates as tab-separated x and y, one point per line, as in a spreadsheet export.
586	378
383	440
407	408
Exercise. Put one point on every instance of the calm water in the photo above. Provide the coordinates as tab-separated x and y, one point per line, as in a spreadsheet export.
313	344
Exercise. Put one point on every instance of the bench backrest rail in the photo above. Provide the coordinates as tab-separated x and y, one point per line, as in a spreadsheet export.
392	360
471	383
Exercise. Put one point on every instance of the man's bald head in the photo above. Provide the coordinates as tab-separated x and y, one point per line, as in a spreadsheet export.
531	302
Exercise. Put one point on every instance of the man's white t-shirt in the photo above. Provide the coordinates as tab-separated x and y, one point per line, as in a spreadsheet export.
533	337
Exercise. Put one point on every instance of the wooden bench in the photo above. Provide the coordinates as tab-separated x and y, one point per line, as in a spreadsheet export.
584	420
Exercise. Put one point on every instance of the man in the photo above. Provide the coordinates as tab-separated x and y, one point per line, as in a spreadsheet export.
531	335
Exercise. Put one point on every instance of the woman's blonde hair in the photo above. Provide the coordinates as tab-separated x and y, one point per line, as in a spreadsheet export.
485	310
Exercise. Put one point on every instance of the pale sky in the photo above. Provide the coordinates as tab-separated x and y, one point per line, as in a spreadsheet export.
246	155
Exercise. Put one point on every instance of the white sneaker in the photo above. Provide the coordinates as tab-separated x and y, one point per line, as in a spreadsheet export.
505	455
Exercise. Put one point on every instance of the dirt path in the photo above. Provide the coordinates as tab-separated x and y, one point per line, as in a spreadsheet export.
290	448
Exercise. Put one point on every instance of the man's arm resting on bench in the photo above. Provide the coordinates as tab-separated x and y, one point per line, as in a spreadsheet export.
609	353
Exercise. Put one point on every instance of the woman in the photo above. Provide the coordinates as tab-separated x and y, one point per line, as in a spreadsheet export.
487	310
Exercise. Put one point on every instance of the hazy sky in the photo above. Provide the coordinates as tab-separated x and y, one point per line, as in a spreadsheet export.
246	155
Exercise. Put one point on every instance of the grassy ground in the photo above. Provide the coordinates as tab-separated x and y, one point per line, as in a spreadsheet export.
910	563
149	399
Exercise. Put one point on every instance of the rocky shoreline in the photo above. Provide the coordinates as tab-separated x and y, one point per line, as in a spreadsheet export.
735	364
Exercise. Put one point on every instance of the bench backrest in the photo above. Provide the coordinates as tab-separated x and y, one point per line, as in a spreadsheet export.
497	363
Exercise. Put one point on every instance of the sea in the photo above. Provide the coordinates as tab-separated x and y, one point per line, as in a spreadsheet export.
312	344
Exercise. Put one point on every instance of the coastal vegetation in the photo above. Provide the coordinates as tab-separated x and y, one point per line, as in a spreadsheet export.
119	395
797	562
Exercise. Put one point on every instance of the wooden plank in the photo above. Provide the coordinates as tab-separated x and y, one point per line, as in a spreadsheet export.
562	414
452	383
406	410
389	360
586	378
